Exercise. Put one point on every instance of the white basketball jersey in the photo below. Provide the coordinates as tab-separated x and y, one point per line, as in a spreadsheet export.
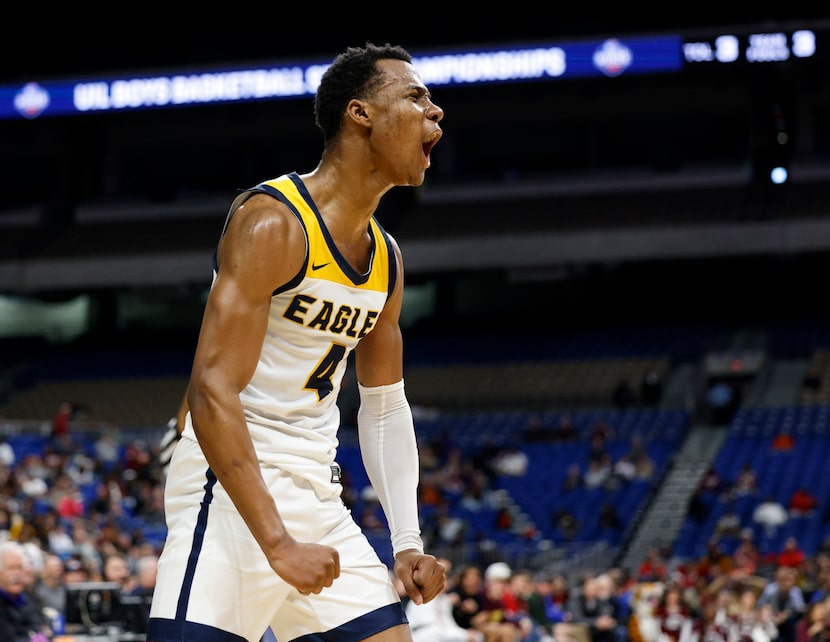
315	321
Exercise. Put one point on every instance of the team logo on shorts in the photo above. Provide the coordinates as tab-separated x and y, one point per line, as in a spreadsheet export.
335	474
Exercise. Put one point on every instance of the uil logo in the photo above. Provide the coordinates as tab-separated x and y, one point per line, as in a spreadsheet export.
612	57
31	101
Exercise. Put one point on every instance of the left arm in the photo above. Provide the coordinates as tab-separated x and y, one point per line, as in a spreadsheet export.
389	448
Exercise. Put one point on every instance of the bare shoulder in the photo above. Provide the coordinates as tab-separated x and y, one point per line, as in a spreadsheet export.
262	214
264	234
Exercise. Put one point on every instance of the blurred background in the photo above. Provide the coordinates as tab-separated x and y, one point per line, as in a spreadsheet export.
634	245
638	195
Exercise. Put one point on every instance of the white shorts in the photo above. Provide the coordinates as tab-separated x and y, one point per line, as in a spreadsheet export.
214	583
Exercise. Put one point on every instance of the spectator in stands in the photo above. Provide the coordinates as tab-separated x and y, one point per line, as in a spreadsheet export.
822	584
573	479
770	515
623	588
511	461
106	452
470	605
32	564
117	570
32	477
749	621
546	605
496	602
146	570
5	521
434	621
728	524
76	570
449	528
58	538
66	497
785	598
566	430
603	430
566	523
598	442
644	467
746	559
609	519
600	471
713	485
784	441
503	520
7	454
50	587
625	470
653	568
791	555
675	620
477	493
714	563
86	548
516	602
150	505
813	626
21	618
61	439
803	503
746	482
599	608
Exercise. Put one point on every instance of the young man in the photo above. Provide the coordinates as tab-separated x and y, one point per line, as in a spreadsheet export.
258	535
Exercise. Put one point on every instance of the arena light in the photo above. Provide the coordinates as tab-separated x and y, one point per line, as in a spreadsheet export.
779	175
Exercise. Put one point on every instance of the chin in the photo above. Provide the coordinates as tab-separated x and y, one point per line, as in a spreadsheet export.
418	179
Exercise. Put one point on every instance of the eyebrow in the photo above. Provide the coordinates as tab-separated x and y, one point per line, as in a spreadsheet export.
421	89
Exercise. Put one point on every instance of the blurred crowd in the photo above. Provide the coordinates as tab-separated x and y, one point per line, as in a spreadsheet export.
90	509
718	598
660	602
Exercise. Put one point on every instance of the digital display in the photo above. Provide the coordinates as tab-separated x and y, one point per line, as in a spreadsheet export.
755	48
605	58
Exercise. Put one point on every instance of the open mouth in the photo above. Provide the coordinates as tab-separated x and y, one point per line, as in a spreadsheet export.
430	142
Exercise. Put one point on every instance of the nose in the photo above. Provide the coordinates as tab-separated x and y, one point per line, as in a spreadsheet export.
435	113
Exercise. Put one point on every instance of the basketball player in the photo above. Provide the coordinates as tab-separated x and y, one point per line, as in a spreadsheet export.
258	535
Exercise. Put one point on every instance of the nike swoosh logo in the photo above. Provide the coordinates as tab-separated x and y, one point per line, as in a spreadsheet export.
314	266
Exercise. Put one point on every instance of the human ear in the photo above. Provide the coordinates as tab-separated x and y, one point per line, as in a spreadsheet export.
356	110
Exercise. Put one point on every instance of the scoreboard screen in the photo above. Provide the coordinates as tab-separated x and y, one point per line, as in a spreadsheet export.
609	57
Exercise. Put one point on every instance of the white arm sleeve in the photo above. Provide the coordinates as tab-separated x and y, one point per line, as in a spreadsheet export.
390	455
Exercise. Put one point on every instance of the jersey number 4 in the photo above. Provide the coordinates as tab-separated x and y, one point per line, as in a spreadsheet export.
320	379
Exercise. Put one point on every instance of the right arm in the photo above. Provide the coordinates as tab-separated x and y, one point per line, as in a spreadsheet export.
263	247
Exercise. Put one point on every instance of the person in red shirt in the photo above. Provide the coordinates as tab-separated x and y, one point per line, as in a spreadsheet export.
60	435
783	441
653	567
791	555
802	502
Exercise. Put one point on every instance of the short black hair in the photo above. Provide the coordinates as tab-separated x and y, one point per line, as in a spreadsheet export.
352	74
